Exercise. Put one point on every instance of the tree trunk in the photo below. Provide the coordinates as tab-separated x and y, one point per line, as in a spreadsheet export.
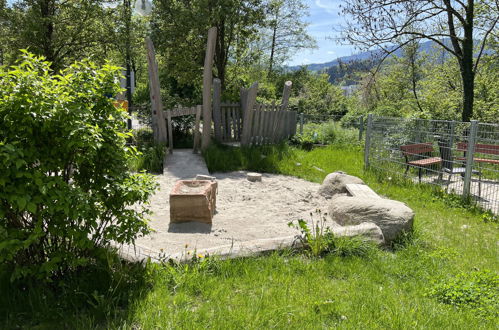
274	37
466	65
221	54
47	14
272	51
468	77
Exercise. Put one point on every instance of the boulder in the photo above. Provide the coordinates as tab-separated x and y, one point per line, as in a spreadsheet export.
335	183
393	217
368	230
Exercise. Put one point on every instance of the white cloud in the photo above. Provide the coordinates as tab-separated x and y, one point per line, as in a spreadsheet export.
331	52
331	6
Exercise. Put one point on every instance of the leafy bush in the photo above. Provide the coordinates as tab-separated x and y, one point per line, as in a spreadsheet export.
65	192
477	290
318	239
325	133
151	155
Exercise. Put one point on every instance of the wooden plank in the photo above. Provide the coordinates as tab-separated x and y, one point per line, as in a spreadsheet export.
196	134
243	98
217	116
158	121
229	124
261	125
270	125
234	124
256	126
223	124
361	190
178	112
247	114
294	122
207	80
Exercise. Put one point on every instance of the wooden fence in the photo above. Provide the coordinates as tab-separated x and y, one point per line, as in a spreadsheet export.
271	124
231	125
268	123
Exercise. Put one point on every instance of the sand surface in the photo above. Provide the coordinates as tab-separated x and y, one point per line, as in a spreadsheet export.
246	211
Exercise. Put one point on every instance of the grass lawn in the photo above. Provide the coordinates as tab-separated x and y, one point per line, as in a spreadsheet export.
383	289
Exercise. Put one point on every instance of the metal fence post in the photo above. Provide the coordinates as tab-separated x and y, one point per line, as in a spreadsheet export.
469	158
361	127
302	120
368	139
451	134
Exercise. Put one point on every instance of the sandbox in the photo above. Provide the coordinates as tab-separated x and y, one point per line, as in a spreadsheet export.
250	217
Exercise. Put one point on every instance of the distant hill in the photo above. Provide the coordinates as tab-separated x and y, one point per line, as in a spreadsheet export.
428	46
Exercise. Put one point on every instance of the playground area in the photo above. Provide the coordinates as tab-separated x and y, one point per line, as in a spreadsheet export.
250	217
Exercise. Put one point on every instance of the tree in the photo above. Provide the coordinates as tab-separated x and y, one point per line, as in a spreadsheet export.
286	31
61	31
462	23
180	30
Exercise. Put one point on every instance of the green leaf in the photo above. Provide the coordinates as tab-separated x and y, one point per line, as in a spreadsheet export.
21	202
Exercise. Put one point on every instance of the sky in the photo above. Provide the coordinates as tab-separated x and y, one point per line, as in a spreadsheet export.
324	18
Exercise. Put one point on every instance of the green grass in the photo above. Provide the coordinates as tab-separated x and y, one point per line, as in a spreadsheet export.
382	289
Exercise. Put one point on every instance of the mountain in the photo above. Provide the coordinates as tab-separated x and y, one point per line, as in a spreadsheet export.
372	55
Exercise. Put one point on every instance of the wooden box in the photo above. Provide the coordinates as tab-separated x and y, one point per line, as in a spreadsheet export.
193	200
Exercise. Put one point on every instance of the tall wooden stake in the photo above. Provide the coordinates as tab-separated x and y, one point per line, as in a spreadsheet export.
158	121
217	114
207	79
286	92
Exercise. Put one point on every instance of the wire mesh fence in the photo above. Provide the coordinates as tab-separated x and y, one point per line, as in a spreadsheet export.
358	123
460	157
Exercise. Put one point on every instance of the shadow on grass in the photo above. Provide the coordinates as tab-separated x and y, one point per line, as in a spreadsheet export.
223	158
87	298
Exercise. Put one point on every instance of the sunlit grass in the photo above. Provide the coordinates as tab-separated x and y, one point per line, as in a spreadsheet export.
385	289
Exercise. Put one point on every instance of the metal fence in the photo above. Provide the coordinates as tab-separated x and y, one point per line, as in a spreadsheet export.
358	123
460	157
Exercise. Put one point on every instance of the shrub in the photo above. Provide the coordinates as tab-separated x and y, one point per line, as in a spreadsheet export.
150	154
326	133
65	192
318	239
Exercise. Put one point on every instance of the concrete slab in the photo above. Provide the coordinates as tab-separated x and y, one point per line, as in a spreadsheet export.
184	164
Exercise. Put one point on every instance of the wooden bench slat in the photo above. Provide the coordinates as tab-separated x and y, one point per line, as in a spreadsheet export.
426	161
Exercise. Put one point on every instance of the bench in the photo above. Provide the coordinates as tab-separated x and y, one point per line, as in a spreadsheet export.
361	190
419	155
480	148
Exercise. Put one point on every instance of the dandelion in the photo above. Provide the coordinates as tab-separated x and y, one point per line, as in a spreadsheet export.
200	256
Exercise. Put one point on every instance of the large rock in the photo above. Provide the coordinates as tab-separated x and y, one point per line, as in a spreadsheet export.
393	217
335	183
368	230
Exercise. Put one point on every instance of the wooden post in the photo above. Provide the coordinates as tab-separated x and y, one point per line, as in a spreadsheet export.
247	114
158	121
217	114
286	92
243	98
361	127
469	158
196	136
367	146
207	79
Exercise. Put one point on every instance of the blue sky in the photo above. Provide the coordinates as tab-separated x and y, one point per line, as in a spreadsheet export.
324	18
